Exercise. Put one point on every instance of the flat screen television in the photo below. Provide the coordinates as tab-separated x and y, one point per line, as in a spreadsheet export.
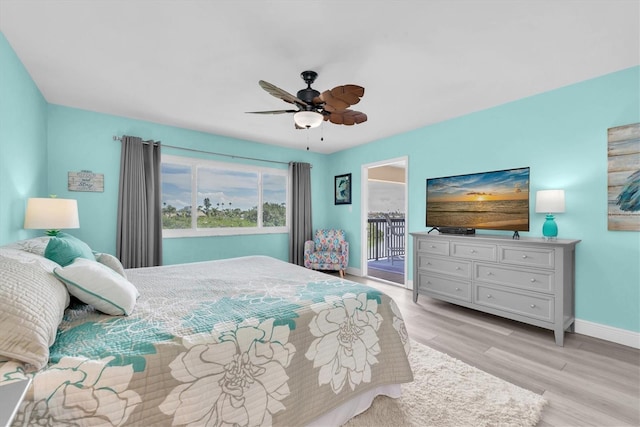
496	200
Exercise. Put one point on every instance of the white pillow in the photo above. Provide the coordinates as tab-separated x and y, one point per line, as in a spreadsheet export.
32	303
36	245
111	262
98	285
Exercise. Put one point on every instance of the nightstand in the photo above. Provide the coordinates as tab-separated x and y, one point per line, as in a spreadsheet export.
11	396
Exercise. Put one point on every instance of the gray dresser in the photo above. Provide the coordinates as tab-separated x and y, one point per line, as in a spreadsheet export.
530	280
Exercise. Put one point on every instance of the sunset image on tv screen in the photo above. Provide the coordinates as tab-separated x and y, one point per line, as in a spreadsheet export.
497	200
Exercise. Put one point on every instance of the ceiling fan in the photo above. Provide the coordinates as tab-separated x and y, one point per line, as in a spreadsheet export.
314	107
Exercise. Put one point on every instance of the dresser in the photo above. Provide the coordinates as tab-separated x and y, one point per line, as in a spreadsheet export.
530	280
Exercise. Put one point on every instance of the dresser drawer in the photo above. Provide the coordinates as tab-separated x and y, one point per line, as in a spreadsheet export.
535	257
447	266
473	251
534	306
432	246
443	286
538	280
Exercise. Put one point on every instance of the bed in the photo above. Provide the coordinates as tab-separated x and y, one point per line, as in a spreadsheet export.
244	341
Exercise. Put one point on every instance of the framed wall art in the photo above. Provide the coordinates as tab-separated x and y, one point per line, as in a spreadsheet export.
342	187
623	195
86	181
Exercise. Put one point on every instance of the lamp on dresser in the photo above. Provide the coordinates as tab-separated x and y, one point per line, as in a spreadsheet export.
550	202
51	214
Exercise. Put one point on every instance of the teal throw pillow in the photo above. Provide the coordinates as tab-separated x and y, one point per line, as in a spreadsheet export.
64	248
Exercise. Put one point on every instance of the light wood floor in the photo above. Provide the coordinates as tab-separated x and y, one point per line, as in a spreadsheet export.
588	382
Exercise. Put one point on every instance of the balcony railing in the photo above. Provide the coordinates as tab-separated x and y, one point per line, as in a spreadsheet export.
380	241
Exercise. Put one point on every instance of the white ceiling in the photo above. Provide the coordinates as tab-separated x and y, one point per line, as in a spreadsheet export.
196	64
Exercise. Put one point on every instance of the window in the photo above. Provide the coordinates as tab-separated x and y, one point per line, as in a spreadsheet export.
207	198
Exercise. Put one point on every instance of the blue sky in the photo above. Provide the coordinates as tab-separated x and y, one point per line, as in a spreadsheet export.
236	189
512	183
386	196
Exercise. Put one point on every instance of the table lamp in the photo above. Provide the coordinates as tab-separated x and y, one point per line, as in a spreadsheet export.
550	202
51	214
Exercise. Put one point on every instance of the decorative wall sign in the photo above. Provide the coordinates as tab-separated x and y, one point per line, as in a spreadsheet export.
624	177
86	181
343	189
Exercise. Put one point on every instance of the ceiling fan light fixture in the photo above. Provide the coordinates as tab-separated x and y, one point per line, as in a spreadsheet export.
308	119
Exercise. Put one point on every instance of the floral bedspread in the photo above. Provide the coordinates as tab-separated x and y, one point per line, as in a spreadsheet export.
247	341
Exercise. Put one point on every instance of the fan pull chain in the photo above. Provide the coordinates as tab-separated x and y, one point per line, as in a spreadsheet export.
321	134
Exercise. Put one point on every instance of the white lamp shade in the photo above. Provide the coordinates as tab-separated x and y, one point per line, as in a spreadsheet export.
550	201
308	119
51	213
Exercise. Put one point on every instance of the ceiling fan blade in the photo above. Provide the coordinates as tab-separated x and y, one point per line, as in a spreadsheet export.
346	117
280	93
331	108
341	97
348	93
333	103
272	112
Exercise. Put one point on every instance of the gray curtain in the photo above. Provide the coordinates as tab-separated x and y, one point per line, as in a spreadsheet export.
301	227
139	233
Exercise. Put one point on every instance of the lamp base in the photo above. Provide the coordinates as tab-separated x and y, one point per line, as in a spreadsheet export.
550	228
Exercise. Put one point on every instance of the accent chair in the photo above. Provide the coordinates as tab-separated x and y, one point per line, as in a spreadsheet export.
328	250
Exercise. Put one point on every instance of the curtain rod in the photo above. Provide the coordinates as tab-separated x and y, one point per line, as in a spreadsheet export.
118	138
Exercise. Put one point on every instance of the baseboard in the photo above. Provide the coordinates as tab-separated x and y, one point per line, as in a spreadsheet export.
608	333
354	271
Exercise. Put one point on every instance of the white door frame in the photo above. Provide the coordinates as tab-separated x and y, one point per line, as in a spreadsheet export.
364	202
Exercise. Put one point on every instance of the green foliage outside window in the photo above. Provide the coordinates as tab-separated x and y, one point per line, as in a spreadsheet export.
273	215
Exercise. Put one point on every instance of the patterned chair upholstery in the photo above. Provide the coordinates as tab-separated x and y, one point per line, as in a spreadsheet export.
327	251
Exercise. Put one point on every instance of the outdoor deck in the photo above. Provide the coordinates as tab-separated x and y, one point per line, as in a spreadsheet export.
383	262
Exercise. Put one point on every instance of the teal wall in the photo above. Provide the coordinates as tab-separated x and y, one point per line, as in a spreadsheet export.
83	140
561	135
23	144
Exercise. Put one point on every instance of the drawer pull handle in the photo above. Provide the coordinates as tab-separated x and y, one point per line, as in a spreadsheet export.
458	268
489	296
473	251
457	289
432	246
489	273
533	280
532	306
524	256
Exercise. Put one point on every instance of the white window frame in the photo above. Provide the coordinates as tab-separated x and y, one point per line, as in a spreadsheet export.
194	231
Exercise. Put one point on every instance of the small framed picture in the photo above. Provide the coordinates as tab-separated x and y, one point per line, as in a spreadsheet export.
342	189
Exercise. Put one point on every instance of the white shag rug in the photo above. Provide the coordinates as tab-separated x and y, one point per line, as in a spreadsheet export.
448	392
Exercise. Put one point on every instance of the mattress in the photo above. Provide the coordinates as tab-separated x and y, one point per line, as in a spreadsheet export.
247	341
